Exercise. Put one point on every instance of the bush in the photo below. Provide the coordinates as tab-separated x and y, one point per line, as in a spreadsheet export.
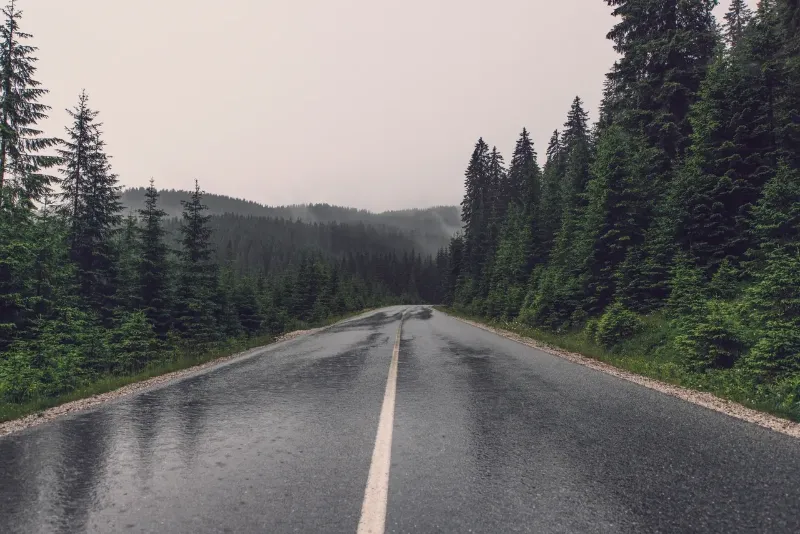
714	340
133	344
616	324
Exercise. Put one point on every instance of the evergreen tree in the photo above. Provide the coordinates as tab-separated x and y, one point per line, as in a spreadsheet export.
153	280
134	344
736	20
548	220
615	218
510	266
525	191
129	251
523	186
476	210
91	201
249	310
665	47
733	154
195	308
498	202
22	164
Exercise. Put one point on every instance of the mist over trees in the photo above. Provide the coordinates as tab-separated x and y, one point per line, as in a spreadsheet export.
674	216
429	228
93	284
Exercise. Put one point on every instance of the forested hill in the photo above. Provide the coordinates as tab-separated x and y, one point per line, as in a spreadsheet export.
430	228
268	245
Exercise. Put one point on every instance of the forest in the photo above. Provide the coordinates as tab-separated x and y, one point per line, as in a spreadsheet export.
93	287
671	225
430	228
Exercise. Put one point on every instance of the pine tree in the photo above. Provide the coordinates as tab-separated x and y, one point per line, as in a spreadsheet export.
665	47
525	191
551	207
129	251
615	218
195	308
776	217
736	20
248	309
134	344
476	210
91	201
524	176
227	315
733	154
153	281
510	266
22	164
498	198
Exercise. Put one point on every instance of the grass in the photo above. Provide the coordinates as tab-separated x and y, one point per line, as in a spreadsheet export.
185	359
652	354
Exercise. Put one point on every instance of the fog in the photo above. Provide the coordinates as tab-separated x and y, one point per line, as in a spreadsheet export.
368	104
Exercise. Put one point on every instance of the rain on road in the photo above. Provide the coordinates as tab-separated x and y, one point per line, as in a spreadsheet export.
487	436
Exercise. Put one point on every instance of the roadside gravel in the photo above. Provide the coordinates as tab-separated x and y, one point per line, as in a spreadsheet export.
9	427
707	400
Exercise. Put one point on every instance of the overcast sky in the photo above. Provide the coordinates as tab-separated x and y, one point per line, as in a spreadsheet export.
364	103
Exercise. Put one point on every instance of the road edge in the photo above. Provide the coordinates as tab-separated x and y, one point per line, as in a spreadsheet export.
699	398
87	403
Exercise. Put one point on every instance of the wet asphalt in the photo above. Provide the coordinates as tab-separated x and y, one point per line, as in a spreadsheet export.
489	436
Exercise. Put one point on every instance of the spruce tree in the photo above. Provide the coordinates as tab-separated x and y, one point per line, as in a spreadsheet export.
615	217
551	209
736	20
523	186
498	198
476	210
665	47
510	266
195	309
22	164
153	281
91	202
128	255
733	154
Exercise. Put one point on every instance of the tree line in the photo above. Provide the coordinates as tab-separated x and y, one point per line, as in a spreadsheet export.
677	211
87	291
430	228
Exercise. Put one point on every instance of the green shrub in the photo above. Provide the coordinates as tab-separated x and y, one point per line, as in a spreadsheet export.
133	344
713	340
616	324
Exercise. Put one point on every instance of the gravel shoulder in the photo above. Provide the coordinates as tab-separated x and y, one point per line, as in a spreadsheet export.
17	425
700	398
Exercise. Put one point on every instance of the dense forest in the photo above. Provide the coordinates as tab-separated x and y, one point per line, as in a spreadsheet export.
430	228
675	217
92	288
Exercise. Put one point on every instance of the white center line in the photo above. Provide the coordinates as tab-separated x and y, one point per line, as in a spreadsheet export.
376	496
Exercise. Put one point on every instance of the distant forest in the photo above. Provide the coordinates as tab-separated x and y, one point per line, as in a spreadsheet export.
430	228
671	226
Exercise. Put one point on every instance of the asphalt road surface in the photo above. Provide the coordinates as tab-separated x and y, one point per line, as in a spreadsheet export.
478	434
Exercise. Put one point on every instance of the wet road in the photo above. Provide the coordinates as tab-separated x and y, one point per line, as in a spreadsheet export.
488	436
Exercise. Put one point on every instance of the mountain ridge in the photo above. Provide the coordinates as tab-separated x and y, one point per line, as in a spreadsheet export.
431	228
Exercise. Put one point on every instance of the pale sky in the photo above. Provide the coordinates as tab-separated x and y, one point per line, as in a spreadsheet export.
364	103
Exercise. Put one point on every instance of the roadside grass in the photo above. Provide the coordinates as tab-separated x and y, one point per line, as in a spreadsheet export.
184	358
651	353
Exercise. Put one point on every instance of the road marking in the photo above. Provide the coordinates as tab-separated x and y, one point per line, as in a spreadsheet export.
376	496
